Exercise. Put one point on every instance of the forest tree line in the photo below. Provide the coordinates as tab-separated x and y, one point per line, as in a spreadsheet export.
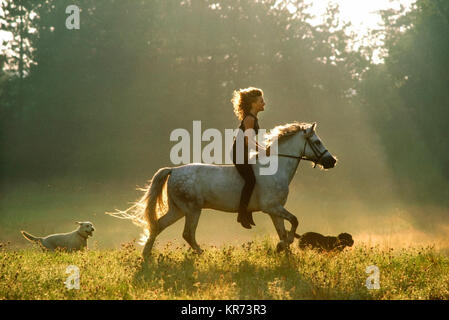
92	102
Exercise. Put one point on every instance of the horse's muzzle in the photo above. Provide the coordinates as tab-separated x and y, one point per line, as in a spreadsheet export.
328	162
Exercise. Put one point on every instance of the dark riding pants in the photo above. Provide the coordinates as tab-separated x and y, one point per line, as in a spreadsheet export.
247	173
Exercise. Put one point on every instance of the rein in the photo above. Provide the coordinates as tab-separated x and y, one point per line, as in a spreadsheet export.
316	152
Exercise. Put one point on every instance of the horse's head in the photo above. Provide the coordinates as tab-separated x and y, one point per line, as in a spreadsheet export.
315	150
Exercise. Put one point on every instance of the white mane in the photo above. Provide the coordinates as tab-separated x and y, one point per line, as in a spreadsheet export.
281	131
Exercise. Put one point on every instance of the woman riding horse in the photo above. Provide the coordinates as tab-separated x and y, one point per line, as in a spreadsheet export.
192	187
247	104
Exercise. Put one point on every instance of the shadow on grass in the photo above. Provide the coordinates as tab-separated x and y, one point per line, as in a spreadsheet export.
283	279
172	274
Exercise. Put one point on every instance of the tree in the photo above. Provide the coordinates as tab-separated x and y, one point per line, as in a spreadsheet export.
18	21
409	101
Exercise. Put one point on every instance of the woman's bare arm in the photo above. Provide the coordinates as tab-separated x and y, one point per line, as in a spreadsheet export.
248	123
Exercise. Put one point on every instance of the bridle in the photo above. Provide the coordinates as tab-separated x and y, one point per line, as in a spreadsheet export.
315	150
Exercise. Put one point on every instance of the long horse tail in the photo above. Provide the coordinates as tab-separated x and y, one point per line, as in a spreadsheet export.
145	212
154	199
30	237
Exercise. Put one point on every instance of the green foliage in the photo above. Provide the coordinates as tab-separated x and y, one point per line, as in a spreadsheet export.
98	98
96	103
250	271
408	99
17	20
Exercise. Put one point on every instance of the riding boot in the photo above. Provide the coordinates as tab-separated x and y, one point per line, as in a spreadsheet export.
243	219
250	218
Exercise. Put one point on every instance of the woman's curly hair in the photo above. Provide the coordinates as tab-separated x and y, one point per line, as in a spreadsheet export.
242	100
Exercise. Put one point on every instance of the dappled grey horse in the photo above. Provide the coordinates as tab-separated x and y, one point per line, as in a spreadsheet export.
192	187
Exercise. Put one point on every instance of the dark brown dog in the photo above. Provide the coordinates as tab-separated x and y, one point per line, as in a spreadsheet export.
318	241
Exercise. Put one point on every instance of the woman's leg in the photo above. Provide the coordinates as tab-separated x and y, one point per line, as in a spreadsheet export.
245	217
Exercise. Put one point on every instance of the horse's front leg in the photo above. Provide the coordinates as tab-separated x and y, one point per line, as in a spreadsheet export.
283	213
282	233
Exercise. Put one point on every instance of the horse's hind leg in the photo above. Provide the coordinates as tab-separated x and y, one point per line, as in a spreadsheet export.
173	214
192	217
149	245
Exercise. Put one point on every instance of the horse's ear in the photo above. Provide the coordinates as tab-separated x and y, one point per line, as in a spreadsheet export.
310	130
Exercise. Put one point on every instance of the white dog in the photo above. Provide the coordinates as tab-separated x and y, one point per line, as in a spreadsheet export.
75	240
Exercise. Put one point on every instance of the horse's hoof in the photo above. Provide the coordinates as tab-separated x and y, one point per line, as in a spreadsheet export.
281	246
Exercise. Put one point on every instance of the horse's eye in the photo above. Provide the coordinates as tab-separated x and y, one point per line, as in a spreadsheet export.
317	142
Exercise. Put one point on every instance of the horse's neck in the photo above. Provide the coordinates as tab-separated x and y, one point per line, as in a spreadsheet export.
287	166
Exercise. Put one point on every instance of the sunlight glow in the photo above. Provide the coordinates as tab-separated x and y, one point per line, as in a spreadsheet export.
364	17
362	14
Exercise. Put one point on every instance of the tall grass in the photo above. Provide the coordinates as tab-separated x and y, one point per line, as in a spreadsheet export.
251	271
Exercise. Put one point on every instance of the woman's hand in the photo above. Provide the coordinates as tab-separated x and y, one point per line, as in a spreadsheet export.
267	150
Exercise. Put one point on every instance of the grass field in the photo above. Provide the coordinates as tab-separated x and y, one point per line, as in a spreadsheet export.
249	271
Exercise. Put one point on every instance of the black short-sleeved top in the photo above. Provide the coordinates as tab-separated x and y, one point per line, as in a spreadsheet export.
242	127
